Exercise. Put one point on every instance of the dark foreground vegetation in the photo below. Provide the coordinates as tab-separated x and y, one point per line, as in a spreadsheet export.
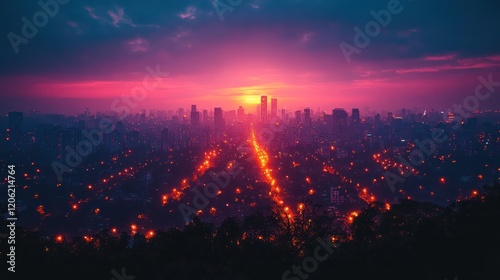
411	240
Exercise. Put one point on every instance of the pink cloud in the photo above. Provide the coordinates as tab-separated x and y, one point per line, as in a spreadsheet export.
189	13
119	17
139	45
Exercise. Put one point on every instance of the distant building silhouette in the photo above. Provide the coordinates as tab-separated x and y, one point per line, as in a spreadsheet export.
195	116
355	115
274	107
263	109
307	117
339	117
218	119
241	113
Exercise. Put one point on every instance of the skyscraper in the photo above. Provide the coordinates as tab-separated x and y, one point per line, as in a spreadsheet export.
195	116
241	113
205	116
218	120
297	117
355	115
339	117
263	109
307	116
274	107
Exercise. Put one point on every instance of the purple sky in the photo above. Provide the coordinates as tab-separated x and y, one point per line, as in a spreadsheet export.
90	54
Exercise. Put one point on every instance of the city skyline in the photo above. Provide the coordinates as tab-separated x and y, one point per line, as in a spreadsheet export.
102	52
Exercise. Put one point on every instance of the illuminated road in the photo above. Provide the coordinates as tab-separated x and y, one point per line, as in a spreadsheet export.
275	192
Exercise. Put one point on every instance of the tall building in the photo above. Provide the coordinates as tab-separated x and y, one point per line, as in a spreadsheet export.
205	116
297	117
218	120
241	113
339	118
263	109
355	115
307	117
274	107
195	116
